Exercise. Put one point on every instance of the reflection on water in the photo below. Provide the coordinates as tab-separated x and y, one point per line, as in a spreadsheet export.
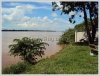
7	38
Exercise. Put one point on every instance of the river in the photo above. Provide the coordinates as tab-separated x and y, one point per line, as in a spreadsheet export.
7	38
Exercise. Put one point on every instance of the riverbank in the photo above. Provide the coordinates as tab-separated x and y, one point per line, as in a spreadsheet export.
8	60
7	38
73	59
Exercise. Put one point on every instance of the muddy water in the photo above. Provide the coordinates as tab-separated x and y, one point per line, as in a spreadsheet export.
7	38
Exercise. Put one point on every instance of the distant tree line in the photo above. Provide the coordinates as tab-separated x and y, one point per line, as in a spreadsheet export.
31	30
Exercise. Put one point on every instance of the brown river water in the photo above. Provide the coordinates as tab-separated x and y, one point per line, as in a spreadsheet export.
7	38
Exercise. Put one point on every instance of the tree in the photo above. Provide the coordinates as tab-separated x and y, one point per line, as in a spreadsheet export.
67	7
93	11
28	49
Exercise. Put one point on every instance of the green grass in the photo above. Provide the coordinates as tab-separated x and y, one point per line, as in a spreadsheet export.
15	69
71	60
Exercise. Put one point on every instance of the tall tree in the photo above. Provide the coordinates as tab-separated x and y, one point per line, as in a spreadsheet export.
93	11
68	7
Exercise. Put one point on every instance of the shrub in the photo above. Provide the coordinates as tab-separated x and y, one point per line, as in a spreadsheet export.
28	49
67	37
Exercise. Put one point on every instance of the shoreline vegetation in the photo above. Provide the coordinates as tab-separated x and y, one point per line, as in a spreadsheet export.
72	59
28	49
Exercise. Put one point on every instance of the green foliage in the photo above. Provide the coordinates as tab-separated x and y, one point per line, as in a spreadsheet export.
71	60
28	48
68	7
81	7
67	37
15	69
81	26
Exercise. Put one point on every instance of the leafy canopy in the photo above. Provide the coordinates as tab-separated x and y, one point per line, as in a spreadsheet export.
28	48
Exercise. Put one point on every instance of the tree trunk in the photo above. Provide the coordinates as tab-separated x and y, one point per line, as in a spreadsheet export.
86	25
92	24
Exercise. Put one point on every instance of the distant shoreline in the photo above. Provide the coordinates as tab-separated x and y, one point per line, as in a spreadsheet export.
34	30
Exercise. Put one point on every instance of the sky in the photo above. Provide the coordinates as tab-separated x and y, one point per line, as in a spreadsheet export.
35	16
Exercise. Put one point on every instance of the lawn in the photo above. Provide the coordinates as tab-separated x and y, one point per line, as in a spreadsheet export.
73	59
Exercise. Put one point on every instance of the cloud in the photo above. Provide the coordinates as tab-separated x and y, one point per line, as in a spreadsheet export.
16	18
45	18
17	13
41	23
54	14
35	5
46	23
36	22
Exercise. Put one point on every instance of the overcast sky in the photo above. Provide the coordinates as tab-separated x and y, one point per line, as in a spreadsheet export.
35	16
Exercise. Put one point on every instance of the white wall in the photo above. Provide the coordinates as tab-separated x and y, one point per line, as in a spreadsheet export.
81	35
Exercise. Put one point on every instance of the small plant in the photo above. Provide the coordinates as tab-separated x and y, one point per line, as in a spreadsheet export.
28	49
15	69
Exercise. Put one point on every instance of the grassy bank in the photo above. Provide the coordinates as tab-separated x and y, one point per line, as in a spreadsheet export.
71	60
